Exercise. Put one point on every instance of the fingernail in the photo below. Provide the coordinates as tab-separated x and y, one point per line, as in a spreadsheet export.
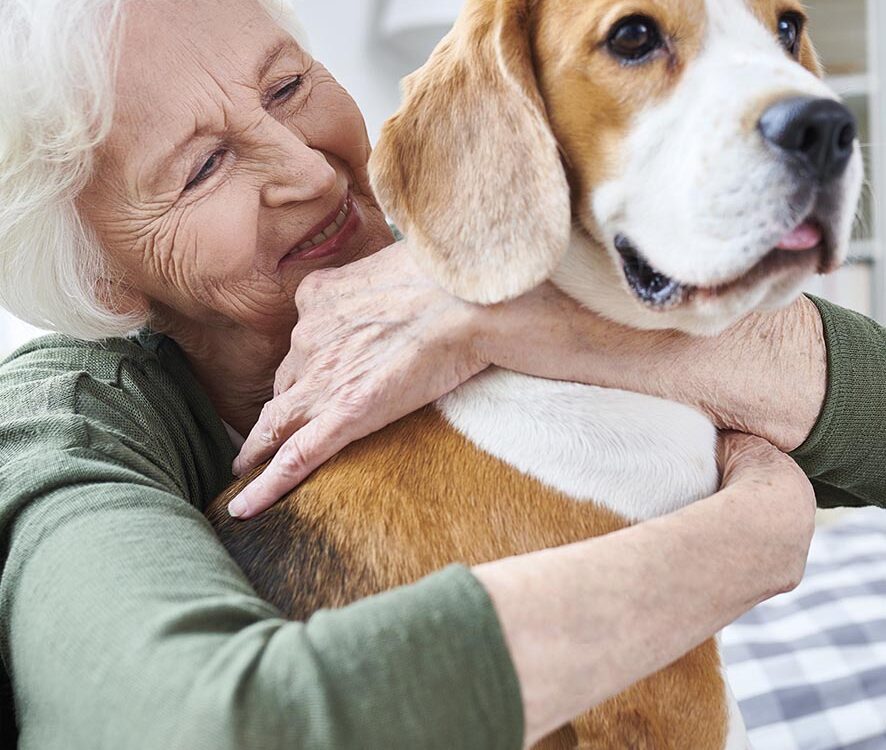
236	469
238	507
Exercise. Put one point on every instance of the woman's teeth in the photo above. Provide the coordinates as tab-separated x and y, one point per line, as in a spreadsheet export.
327	233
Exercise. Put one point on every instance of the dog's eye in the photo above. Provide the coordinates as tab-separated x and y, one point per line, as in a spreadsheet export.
790	28
634	38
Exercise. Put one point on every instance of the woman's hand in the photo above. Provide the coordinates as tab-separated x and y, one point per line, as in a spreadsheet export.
619	607
375	341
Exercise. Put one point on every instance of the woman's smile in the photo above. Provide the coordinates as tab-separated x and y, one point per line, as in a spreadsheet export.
331	236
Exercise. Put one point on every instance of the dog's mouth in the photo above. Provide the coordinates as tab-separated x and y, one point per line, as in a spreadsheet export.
806	247
651	287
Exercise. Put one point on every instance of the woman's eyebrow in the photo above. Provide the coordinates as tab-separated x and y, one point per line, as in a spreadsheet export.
162	161
272	56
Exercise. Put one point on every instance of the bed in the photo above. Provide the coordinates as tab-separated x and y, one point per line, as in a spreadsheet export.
809	667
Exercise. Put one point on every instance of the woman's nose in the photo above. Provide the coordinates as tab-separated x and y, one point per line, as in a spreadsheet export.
300	174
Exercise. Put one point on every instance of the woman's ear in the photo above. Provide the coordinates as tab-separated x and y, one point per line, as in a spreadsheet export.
469	168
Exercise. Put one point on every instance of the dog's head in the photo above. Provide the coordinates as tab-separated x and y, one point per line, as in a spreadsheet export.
669	163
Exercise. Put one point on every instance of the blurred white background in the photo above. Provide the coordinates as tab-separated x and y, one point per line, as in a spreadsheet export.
369	45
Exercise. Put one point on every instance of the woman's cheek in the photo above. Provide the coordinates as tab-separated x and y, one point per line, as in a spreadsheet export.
333	123
226	231
189	251
167	252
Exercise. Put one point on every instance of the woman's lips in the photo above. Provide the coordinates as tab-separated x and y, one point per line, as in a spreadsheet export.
332	238
327	231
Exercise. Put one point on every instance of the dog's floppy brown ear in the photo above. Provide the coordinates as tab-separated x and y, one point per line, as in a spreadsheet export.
469	168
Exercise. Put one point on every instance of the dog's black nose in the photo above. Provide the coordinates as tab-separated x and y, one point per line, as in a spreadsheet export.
820	132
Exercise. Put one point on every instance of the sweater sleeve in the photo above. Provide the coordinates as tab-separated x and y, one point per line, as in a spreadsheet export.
845	455
125	624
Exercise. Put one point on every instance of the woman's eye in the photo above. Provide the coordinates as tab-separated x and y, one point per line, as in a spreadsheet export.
284	92
790	28
634	38
207	170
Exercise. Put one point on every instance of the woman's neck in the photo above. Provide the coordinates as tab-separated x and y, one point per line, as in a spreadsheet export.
235	366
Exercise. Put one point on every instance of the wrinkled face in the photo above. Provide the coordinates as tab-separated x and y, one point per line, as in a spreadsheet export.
712	171
235	166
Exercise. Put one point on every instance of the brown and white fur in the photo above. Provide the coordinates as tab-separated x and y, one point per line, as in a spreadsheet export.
523	148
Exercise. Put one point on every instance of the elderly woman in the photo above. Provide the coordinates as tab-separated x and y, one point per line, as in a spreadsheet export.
179	169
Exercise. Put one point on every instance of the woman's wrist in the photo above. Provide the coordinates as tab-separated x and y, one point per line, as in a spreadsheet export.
766	376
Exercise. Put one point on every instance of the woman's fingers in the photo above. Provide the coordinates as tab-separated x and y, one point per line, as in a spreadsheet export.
307	449
287	374
293	365
280	418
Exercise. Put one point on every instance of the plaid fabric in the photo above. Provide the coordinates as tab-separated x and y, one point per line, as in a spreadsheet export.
809	668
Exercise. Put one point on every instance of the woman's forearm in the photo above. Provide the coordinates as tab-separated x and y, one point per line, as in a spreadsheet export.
767	375
586	621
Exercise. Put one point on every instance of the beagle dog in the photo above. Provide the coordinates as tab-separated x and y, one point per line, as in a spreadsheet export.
667	163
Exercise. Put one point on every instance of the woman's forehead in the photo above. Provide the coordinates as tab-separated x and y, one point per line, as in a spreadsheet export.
166	33
182	64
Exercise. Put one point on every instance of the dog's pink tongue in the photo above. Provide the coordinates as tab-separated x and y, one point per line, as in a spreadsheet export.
804	237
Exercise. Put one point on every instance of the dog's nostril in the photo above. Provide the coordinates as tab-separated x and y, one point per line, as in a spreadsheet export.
819	132
810	140
847	136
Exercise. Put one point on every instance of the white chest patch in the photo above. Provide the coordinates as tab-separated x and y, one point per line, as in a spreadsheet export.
639	456
737	734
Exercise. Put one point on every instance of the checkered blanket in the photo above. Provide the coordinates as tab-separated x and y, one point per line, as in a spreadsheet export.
809	668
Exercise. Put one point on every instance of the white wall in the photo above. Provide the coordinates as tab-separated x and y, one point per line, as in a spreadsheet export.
13	333
370	45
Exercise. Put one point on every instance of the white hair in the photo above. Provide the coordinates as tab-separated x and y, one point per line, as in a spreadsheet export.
57	64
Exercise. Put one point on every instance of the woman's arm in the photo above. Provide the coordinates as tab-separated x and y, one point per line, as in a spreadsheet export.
377	340
584	622
845	454
126	625
766	376
811	379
